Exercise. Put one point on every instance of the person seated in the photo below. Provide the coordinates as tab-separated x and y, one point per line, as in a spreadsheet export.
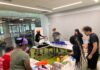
76	50
19	58
6	57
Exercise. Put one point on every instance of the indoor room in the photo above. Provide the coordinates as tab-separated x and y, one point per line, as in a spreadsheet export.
49	34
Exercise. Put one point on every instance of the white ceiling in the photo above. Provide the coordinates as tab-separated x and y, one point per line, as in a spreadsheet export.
45	4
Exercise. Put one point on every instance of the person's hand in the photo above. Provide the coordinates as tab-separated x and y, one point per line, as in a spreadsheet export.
70	54
90	56
85	46
45	36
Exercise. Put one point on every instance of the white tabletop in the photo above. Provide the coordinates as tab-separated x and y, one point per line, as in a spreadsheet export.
68	45
68	66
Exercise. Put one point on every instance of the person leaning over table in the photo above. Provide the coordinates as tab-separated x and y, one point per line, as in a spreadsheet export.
76	50
93	48
19	59
56	38
37	40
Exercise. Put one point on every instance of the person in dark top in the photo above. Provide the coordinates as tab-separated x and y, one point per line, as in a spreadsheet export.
37	36
93	48
56	35
56	38
79	36
37	40
76	50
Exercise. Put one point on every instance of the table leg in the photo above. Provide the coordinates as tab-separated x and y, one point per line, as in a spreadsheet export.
43	50
54	51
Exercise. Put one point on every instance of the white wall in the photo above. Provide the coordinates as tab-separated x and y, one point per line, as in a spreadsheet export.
67	22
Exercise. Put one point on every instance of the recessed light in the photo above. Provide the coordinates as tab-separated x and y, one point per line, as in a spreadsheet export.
0	21
21	19
33	19
27	7
67	5
96	1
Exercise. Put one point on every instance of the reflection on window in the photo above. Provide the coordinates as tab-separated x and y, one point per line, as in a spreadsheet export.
27	27
1	29
13	28
32	26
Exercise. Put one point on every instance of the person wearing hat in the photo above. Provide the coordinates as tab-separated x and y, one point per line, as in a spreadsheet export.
19	59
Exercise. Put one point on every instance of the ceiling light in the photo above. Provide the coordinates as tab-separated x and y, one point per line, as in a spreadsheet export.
21	19
96	1
27	7
67	5
0	21
33	19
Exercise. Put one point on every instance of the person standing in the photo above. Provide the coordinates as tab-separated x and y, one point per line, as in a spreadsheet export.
37	40
76	49
56	35
79	36
19	58
6	57
93	48
56	38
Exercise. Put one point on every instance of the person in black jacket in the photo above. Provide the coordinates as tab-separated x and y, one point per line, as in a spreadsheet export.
79	36
76	47
37	40
76	50
38	36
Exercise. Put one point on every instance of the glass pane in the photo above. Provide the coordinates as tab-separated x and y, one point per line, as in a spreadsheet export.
27	26
32	26
1	29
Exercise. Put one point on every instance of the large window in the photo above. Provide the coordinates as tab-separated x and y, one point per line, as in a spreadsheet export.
32	26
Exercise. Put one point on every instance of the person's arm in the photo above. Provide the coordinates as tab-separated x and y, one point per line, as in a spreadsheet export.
59	34
27	62
42	36
95	47
27	65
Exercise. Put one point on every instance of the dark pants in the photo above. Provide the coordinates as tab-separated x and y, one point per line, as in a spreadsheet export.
92	63
55	49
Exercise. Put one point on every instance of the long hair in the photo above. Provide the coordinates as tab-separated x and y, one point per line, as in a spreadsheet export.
79	33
